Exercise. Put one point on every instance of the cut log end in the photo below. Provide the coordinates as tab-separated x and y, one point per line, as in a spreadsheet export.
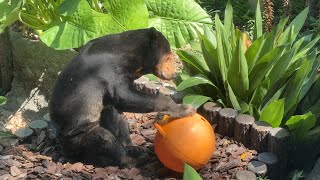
245	119
259	135
242	128
210	111
261	126
226	121
228	113
279	133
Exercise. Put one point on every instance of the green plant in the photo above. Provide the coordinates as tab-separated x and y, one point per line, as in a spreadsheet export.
275	79
6	135
298	175
273	74
190	174
65	24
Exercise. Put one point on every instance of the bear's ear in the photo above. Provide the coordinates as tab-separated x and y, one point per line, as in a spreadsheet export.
154	34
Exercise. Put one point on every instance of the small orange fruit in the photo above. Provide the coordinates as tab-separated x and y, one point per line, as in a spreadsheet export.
188	140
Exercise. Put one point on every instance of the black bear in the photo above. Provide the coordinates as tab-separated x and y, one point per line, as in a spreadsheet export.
95	88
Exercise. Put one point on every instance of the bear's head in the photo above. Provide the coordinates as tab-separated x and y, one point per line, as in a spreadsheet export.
160	62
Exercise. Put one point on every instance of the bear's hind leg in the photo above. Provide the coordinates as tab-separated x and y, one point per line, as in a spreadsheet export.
117	123
103	148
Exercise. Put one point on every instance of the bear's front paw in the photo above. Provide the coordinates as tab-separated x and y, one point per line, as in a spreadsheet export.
183	110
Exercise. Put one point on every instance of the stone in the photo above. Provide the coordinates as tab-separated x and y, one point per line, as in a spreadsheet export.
23	133
257	167
245	175
38	124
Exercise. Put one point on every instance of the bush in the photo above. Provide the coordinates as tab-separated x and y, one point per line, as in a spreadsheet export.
267	78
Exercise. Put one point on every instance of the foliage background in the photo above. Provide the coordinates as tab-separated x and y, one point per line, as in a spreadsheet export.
244	12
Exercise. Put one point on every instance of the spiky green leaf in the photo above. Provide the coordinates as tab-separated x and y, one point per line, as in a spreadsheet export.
195	100
273	113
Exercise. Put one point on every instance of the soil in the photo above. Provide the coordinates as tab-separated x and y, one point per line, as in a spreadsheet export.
40	158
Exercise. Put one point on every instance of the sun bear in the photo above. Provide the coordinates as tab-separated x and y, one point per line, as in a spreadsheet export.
96	86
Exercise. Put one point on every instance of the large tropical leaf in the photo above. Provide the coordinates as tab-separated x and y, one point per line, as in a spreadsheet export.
263	66
228	18
293	89
195	100
222	57
301	124
3	100
273	113
280	68
258	22
238	70
253	52
311	101
260	92
9	10
178	20
193	81
85	24
196	63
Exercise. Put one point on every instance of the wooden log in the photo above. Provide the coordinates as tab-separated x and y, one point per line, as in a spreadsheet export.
278	141
166	91
258	167
245	175
242	128
151	87
226	121
278	144
140	82
259	135
210	111
272	162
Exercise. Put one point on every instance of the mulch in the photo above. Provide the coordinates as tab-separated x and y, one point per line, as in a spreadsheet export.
41	158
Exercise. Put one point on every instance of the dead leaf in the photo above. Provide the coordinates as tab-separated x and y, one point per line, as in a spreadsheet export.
137	139
77	166
41	137
15	171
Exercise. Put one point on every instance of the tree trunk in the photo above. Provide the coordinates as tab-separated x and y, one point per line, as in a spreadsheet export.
6	61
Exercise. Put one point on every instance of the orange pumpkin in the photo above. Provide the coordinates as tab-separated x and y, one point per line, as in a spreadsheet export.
188	140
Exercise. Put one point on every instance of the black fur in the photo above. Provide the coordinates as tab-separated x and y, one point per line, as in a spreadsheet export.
97	86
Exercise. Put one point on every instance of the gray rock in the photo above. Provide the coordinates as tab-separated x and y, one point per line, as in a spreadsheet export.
38	124
23	133
245	175
257	167
36	68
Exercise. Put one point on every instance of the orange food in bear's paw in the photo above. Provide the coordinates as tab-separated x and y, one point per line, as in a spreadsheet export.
188	140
